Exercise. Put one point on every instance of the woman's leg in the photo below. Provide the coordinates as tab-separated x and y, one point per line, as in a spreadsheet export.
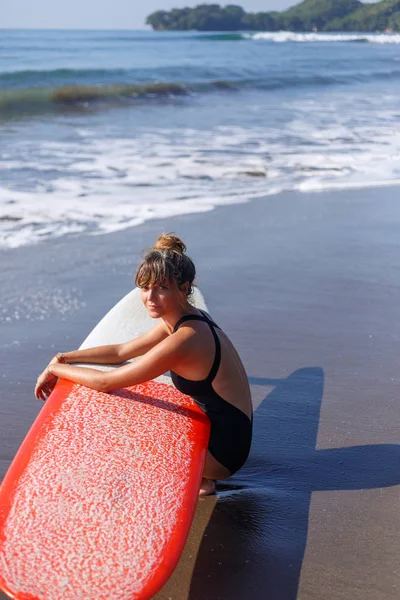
212	470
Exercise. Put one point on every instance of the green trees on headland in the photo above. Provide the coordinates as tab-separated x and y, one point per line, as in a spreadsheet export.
323	15
317	14
205	17
370	17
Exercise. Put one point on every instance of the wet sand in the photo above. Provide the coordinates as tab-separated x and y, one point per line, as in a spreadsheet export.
308	288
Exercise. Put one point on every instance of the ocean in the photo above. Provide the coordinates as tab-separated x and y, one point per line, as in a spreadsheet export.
104	130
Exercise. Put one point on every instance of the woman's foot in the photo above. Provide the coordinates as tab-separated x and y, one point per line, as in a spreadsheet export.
207	487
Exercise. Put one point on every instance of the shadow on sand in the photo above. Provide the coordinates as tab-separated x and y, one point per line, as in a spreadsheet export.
254	544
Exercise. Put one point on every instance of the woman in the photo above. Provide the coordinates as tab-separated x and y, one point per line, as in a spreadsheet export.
203	362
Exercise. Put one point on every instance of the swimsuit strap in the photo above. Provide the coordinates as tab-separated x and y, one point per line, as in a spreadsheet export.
217	360
188	318
208	319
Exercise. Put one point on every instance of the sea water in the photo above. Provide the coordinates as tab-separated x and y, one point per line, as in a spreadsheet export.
103	130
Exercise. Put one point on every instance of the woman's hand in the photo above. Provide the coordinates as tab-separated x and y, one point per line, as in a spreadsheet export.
46	381
45	384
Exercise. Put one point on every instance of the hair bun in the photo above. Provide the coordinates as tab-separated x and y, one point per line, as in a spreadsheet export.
170	242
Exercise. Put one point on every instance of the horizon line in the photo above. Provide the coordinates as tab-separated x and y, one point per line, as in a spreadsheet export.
148	28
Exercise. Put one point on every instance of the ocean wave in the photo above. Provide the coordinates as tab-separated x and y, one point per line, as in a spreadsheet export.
222	37
40	100
289	36
97	184
311	37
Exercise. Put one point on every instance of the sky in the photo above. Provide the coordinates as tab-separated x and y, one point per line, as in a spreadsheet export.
106	14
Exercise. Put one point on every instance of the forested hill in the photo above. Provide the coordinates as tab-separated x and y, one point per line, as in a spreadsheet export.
323	15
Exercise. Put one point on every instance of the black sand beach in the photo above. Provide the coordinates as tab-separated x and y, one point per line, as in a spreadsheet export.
308	287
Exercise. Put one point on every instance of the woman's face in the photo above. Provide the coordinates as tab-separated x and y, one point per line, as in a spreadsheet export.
159	300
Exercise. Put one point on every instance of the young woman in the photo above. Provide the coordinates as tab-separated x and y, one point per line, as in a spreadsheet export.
203	362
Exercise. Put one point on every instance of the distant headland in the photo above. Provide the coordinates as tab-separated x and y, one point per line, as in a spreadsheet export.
310	15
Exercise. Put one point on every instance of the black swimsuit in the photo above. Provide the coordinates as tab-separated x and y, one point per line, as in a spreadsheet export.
231	428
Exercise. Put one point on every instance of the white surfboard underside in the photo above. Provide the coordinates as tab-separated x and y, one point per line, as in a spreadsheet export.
127	320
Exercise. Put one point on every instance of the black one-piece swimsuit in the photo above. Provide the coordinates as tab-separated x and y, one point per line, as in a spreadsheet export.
231	428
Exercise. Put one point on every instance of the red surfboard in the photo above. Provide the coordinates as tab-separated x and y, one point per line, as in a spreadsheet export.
99	499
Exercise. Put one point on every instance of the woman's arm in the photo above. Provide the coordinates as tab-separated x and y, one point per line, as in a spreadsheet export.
165	356
118	353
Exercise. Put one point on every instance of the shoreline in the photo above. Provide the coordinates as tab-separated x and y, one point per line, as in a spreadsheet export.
357	189
306	286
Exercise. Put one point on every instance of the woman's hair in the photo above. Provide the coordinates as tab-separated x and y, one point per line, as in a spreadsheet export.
166	261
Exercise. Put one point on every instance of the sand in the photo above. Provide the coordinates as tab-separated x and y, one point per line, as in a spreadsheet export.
307	286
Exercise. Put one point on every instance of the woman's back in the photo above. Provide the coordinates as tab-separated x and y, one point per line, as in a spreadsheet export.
219	387
230	379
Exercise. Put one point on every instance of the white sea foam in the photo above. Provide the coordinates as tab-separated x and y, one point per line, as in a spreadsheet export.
290	36
104	185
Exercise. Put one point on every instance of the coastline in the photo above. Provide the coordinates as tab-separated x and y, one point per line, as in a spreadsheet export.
307	287
303	16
